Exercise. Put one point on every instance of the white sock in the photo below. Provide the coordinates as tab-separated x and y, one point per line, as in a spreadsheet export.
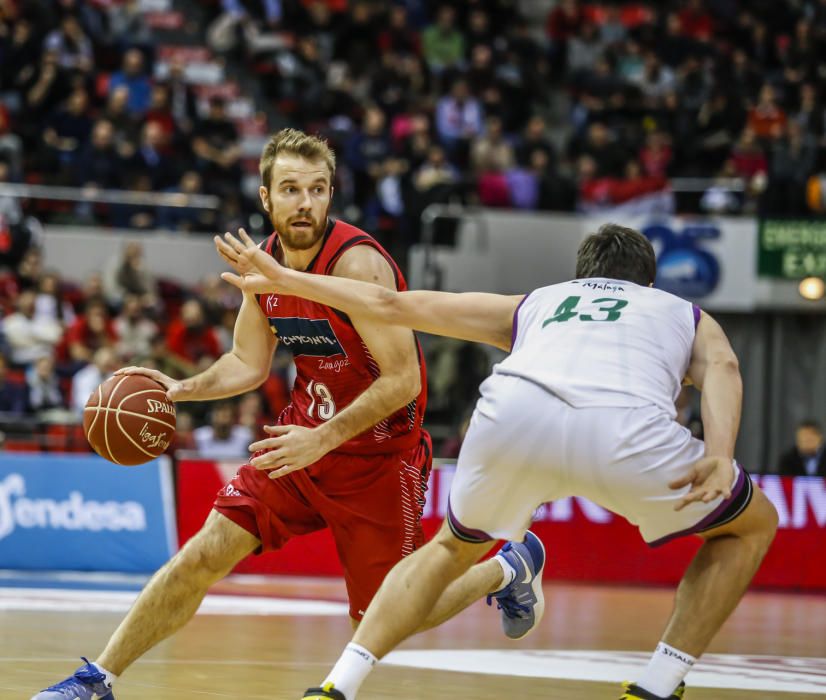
110	677
351	669
508	572
667	667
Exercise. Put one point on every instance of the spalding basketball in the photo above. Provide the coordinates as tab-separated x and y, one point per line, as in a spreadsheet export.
128	419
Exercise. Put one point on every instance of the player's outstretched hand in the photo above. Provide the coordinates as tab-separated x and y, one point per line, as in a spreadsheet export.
245	257
293	447
174	389
709	478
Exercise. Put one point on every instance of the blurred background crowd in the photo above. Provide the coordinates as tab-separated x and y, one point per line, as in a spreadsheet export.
527	104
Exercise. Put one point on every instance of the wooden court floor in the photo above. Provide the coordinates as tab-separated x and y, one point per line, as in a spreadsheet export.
273	657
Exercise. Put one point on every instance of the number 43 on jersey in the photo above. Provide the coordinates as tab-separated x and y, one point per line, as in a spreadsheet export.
607	309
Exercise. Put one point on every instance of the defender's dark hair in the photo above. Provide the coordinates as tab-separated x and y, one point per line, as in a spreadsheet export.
811	424
618	253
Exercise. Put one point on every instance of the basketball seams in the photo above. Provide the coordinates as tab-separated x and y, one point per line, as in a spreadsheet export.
96	409
106	420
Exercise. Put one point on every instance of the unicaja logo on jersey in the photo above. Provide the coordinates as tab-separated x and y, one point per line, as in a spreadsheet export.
684	267
74	513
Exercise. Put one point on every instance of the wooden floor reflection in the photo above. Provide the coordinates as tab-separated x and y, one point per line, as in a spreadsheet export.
269	657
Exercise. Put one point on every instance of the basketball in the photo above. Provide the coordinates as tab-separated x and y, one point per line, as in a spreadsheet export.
128	419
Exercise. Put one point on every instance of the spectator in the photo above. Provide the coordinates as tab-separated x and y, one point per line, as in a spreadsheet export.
458	117
132	76
443	45
125	124
766	118
29	338
357	38
44	386
182	101
99	164
807	457
90	332
215	143
128	274
792	160
398	37
223	438
153	158
73	47
492	152
187	218
13	399
85	381
69	129
190	337
534	138
748	157
50	303
134	330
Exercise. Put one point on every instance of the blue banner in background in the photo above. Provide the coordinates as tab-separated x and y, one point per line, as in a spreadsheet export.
82	513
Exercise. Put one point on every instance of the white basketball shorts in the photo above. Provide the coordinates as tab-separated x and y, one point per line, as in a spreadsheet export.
525	447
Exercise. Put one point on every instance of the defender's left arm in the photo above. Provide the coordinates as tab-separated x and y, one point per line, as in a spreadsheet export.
394	350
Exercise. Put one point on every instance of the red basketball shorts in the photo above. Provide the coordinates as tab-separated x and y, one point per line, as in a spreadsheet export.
371	503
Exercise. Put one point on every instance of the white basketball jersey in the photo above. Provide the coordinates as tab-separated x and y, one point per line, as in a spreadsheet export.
601	342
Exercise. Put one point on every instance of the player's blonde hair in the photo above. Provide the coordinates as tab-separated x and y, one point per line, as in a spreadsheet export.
297	143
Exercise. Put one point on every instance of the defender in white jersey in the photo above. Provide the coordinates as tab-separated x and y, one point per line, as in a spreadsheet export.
582	406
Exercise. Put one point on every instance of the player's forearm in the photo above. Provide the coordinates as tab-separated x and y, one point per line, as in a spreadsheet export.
720	407
227	376
383	397
353	297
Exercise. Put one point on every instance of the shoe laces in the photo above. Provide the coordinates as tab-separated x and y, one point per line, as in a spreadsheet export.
510	606
86	675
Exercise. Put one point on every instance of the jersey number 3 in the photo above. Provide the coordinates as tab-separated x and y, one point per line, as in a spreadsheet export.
321	401
608	308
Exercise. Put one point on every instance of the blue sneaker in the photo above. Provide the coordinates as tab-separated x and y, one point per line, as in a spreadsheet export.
87	683
522	602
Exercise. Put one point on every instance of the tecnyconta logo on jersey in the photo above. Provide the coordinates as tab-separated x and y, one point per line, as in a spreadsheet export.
73	513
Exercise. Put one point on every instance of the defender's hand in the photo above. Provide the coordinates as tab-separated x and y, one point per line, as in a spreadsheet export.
294	447
245	256
709	478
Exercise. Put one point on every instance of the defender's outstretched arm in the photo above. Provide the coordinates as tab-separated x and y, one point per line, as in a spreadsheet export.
473	316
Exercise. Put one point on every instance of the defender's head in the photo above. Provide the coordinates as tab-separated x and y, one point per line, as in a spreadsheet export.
618	253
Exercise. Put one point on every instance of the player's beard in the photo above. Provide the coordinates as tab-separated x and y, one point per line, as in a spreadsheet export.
296	237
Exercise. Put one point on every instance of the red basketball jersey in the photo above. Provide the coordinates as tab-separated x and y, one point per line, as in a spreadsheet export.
333	363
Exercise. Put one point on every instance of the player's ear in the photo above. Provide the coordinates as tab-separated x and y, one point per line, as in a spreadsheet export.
264	193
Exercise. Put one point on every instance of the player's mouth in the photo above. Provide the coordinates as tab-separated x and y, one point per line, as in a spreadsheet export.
302	223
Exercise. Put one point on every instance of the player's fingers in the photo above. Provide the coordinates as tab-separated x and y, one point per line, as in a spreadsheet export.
683	481
265	444
277	429
234	243
222	248
266	461
234	280
245	239
278	473
689	498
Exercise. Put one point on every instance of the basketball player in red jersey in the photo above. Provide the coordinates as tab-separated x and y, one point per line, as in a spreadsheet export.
348	453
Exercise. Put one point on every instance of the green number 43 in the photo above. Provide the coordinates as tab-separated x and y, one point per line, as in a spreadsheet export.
566	310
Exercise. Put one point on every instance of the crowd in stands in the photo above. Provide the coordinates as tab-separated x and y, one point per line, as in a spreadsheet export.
532	104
